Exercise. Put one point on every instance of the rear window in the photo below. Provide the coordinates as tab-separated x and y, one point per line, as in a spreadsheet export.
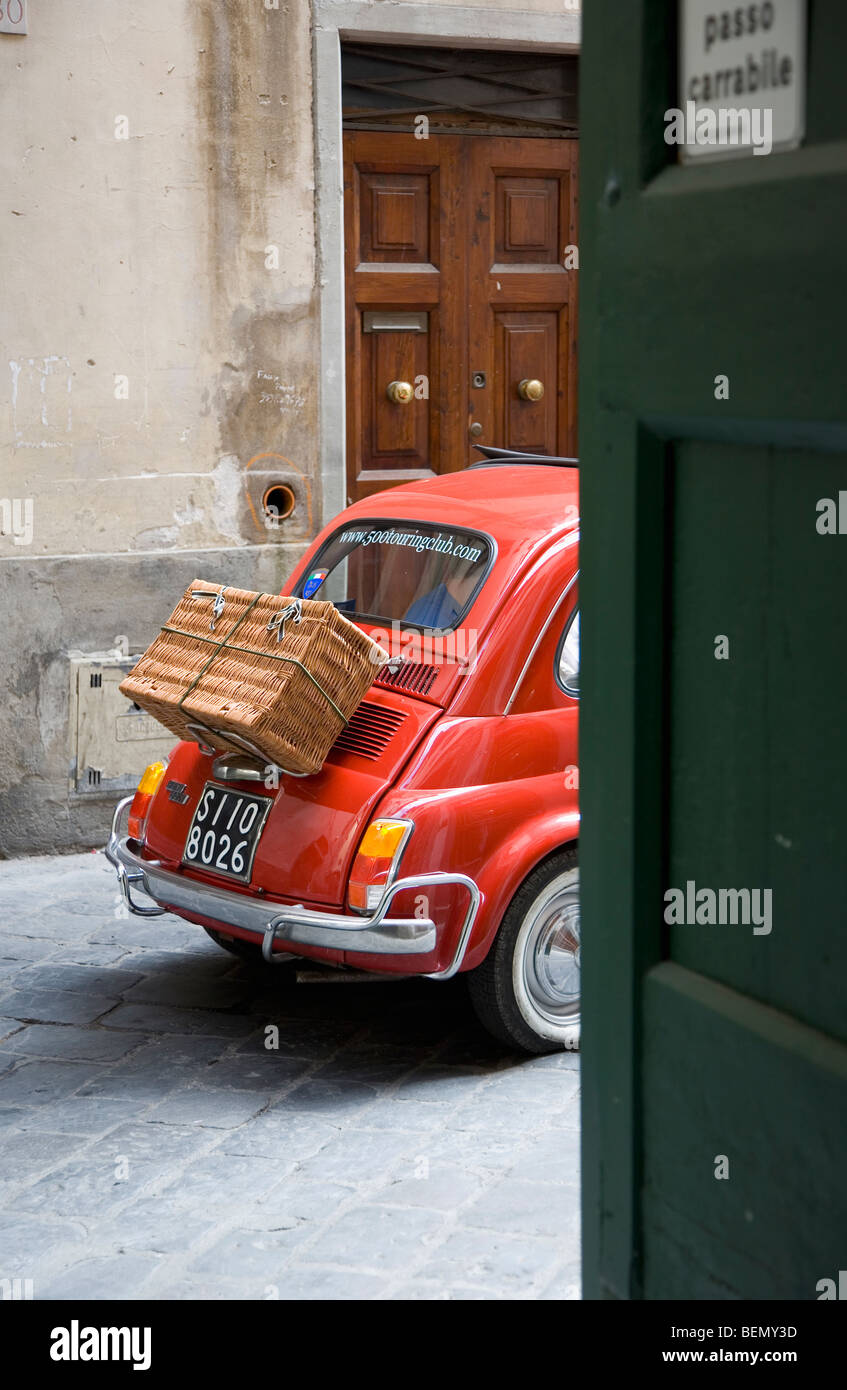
400	572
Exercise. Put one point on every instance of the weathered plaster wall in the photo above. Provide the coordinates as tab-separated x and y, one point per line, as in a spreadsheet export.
160	360
150	259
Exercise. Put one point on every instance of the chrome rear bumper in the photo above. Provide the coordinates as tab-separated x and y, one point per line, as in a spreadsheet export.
270	922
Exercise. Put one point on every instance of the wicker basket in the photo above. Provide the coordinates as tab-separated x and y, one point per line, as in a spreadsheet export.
278	677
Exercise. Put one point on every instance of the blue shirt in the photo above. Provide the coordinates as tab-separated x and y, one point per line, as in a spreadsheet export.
436	609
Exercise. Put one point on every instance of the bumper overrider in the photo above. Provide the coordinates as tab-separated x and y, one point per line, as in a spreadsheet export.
373	934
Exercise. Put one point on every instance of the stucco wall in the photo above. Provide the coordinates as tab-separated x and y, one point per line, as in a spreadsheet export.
144	258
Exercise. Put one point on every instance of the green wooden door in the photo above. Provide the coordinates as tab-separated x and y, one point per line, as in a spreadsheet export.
716	763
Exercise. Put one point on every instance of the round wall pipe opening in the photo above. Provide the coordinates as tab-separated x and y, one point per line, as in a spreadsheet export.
278	502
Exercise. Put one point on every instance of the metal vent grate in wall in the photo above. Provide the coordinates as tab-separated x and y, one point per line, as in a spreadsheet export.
386	87
370	730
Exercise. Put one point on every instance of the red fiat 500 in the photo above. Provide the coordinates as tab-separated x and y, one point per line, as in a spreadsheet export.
441	833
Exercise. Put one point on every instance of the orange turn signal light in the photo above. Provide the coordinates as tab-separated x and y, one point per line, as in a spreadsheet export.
383	838
151	779
382	843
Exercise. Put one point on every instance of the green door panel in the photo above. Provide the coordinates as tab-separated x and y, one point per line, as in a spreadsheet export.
770	1101
758	766
699	523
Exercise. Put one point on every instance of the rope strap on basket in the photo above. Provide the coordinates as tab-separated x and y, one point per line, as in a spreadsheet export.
291	610
218	645
217	606
276	624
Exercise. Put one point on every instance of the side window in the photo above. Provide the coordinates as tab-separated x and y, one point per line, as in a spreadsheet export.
567	657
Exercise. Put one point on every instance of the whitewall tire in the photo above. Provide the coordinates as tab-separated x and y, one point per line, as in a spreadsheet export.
527	991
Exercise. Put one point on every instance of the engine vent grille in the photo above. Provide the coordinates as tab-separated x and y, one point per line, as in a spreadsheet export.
370	730
415	676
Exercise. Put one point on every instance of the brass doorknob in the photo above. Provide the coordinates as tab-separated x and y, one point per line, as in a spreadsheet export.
530	389
475	430
400	392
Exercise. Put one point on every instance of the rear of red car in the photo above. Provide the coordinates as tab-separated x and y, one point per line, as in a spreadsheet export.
376	860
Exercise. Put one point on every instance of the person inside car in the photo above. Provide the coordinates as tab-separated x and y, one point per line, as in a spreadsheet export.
443	605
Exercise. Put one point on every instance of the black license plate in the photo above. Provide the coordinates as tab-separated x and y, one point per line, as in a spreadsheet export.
225	831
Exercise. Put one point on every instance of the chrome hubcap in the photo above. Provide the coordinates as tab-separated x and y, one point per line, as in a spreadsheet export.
551	962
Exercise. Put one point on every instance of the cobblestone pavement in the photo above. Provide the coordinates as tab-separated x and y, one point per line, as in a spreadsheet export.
151	1146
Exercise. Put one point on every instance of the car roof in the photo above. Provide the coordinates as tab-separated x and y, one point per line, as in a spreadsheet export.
529	510
510	501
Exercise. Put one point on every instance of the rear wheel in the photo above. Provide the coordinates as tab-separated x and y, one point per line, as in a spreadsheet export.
526	991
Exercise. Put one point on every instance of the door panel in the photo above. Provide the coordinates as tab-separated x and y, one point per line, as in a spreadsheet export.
745	784
456	284
523	300
397	211
704	1040
527	348
402	259
774	1226
527	224
395	431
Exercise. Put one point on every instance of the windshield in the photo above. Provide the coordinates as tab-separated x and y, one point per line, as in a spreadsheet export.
400	571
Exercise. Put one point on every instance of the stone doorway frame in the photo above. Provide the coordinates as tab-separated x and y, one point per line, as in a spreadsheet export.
420	24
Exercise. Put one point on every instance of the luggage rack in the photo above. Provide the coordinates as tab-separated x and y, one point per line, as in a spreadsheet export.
494	457
236	743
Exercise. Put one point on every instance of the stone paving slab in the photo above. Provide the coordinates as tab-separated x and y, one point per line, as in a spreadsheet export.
175	1124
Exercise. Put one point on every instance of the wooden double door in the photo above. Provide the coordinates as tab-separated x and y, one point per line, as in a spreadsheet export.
461	274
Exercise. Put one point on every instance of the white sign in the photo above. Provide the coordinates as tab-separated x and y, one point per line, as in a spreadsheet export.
13	16
742	79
